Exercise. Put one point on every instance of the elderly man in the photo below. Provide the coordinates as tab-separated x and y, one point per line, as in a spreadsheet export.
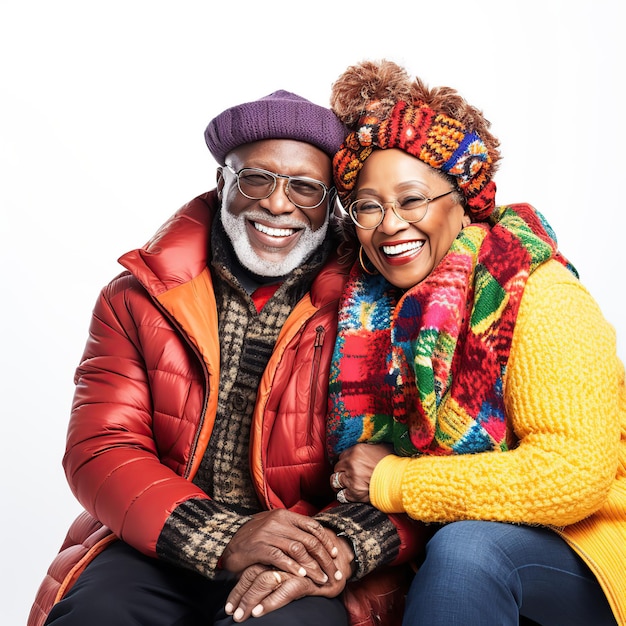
196	440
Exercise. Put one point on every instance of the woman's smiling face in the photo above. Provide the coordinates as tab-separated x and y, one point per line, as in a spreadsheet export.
406	253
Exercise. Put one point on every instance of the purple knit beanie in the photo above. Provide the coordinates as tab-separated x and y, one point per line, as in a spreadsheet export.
280	115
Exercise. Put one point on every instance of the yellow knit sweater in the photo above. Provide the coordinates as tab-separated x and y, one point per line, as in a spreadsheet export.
566	403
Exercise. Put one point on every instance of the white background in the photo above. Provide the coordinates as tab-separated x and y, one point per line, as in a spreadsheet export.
103	106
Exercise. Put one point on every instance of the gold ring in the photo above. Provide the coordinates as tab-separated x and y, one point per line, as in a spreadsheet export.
336	482
278	577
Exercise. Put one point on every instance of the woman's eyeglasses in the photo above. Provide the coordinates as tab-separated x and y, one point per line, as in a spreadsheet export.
369	214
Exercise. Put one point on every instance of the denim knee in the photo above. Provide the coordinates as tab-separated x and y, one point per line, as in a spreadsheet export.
470	547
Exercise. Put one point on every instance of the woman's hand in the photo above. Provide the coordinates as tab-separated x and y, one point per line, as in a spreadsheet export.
285	541
354	469
261	590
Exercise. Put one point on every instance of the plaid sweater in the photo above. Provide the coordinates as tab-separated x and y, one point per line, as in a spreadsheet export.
198	531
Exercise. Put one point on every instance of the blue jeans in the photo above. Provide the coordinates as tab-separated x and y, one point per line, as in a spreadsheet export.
484	573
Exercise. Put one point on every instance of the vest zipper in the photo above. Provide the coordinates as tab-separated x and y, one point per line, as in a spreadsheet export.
320	332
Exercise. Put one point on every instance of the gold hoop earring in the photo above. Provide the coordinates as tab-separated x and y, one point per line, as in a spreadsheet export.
363	264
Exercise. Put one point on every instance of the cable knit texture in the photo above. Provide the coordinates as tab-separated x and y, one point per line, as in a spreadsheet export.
569	467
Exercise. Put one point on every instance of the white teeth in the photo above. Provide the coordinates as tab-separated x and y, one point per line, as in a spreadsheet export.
274	232
402	247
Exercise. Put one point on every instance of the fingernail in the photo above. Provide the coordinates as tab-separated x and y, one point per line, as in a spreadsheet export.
338	575
325	578
238	614
334	551
257	610
229	608
302	572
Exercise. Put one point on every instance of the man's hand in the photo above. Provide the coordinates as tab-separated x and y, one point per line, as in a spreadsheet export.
353	471
286	541
261	590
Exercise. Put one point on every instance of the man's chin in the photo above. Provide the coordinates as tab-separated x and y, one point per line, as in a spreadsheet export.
270	264
267	261
268	254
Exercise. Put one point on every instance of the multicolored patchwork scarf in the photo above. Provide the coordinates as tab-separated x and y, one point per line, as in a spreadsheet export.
424	369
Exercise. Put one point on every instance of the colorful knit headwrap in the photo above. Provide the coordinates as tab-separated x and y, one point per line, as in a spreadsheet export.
436	139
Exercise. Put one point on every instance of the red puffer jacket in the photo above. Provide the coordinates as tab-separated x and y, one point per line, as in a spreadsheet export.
146	399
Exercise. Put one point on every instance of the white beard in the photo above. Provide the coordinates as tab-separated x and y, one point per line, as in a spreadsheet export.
235	227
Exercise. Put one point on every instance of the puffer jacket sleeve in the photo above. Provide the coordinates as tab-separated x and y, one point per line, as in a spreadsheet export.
113	463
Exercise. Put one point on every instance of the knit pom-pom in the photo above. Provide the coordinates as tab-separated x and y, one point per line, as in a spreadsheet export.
369	86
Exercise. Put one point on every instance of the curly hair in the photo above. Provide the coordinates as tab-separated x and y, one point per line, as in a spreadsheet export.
379	85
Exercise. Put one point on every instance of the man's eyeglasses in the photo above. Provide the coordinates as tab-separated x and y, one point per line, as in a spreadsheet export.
257	184
369	214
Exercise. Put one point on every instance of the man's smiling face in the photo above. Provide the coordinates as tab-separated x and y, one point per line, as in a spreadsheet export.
272	236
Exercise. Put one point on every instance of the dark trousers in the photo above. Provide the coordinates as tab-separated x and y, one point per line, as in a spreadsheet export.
122	587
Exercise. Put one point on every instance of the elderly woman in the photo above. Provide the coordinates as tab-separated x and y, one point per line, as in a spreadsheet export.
470	353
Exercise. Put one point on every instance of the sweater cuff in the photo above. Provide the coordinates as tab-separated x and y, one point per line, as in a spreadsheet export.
196	534
386	484
375	539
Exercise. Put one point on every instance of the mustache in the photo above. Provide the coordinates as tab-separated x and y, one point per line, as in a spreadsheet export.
275	221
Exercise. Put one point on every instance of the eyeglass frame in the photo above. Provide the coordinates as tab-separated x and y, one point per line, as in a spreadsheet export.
426	201
275	176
